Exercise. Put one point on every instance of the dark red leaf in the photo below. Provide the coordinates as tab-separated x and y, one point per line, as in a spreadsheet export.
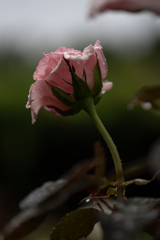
76	225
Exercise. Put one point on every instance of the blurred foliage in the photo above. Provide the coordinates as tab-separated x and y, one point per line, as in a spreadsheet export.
32	154
129	218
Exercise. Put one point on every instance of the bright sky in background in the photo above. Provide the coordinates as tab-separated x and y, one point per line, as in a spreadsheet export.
31	25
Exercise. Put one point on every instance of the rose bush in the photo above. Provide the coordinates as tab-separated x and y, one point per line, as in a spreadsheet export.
98	6
66	76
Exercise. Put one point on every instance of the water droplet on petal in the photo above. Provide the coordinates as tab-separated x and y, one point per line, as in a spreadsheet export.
87	200
28	105
103	91
146	105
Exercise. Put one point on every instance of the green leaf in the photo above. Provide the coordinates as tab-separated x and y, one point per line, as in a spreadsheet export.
107	183
76	225
81	88
111	191
97	80
139	181
97	99
63	96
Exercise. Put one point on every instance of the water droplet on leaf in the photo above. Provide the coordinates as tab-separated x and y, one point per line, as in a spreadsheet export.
146	105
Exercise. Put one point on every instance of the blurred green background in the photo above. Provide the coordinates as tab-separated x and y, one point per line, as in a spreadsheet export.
33	154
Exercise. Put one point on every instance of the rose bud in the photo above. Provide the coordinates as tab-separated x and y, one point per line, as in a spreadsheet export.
65	78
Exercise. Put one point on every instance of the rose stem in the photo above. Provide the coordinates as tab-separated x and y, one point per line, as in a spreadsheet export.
88	106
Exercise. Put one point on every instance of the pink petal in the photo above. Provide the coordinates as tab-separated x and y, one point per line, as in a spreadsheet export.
98	6
87	61
61	77
101	59
48	63
40	95
81	61
106	86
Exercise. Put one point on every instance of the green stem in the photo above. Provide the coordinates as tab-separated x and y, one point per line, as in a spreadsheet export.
88	106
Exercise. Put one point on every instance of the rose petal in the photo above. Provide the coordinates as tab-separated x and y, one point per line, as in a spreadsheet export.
101	59
40	95
45	66
61	77
98	6
106	86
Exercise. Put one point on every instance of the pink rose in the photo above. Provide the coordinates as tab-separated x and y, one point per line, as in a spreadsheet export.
55	88
98	6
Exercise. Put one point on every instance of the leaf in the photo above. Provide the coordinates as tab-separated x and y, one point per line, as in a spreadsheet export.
81	176
153	228
107	183
81	88
147	94
42	193
97	99
21	225
148	97
63	96
140	181
76	225
111	191
97	80
130	218
52	194
48	197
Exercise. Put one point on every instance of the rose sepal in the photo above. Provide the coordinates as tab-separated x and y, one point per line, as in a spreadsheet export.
97	81
63	96
80	87
70	112
97	99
